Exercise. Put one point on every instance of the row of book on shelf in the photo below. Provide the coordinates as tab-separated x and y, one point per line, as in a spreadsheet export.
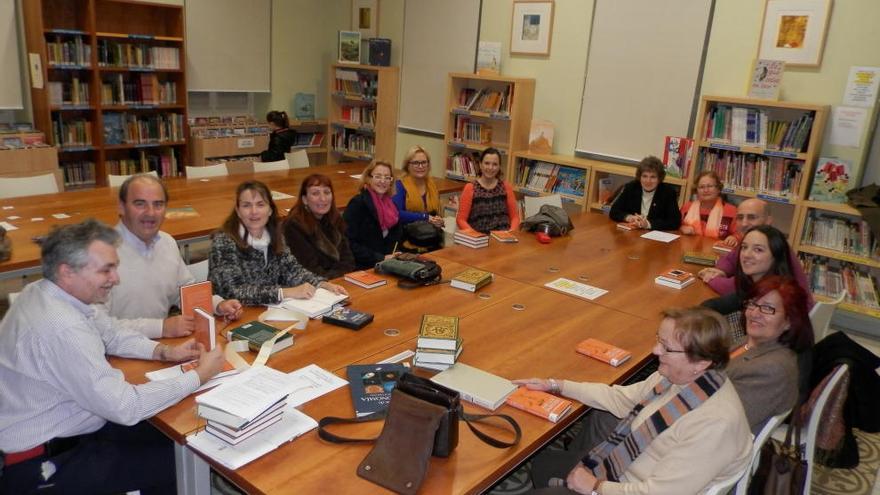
753	127
365	115
122	128
486	100
79	173
68	51
550	178
467	130
846	235
75	92
771	175
164	162
357	84
137	55
830	278
71	132
351	140
137	89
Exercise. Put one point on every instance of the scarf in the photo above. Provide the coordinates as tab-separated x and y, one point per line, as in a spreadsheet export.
610	459
386	212
429	203
261	244
713	224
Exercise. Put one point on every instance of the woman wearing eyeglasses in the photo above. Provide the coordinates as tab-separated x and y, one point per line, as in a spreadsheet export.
763	251
681	429
708	215
417	197
765	369
488	203
371	219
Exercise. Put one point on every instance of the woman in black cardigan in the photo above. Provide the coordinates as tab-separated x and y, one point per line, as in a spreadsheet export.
281	138
646	202
371	220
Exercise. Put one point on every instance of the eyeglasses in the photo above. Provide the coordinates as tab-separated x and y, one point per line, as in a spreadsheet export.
667	349
382	178
708	186
419	163
763	308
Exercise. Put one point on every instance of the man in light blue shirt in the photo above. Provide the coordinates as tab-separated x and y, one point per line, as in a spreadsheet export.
63	406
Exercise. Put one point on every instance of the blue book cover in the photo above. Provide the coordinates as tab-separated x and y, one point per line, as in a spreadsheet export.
114	131
570	181
371	385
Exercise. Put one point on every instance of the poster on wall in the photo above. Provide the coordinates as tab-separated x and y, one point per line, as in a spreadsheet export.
765	79
861	87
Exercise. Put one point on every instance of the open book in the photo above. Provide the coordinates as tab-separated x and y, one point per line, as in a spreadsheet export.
322	302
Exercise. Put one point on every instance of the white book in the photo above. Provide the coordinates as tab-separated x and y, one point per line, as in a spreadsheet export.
293	424
322	302
249	393
577	289
475	385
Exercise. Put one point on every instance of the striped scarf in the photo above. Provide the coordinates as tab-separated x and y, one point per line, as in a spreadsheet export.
609	459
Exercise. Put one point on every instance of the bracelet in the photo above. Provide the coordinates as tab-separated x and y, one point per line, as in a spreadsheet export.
162	349
554	385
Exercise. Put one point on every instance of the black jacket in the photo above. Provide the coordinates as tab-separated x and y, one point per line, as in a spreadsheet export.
663	214
280	141
364	233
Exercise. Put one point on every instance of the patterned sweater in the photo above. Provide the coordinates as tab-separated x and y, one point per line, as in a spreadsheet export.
246	276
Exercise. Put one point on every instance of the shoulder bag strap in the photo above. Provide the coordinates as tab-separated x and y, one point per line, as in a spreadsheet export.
494	442
331	420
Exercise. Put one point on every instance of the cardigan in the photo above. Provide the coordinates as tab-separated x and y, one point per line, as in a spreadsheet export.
305	248
766	379
708	444
250	277
663	214
280	141
364	233
467	198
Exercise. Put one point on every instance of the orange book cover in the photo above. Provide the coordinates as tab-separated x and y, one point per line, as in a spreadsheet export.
470	233
204	331
503	236
197	295
547	406
603	351
677	274
364	277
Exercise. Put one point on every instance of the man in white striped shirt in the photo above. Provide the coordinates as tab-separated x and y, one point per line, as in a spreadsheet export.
62	405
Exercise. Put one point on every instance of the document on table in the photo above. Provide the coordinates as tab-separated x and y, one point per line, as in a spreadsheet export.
659	235
576	288
312	382
292	425
249	393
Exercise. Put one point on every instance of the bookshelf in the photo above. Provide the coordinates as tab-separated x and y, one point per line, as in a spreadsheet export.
482	112
534	174
311	135
362	113
113	98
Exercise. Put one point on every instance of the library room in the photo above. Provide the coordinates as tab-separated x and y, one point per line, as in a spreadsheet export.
244	243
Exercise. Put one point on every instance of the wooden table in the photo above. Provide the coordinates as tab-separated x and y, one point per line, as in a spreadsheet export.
536	341
212	198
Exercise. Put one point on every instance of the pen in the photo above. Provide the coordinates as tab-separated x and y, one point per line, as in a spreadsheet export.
394	249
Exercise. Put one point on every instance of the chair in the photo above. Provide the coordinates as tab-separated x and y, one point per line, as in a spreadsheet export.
532	204
12	296
199	270
298	159
271	166
722	487
769	427
14	187
117	180
820	316
811	428
216	170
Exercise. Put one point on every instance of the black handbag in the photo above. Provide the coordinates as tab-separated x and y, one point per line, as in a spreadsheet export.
415	269
424	234
782	469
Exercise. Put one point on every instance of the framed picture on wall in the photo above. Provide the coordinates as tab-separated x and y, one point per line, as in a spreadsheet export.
365	17
532	27
794	31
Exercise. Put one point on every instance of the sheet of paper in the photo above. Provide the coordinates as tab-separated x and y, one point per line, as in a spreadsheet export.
37	219
176	370
356	176
8	207
861	87
292	425
248	394
576	288
659	235
312	382
60	216
8	226
278	195
13	217
847	124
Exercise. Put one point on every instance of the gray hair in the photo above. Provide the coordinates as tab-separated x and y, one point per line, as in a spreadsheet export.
123	189
68	245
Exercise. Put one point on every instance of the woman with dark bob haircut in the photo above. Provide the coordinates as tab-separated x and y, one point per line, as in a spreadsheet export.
646	202
315	232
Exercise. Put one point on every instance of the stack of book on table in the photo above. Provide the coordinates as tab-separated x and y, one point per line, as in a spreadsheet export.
318	305
503	236
675	278
365	279
439	343
246	405
471	279
722	247
698	258
256	333
471	238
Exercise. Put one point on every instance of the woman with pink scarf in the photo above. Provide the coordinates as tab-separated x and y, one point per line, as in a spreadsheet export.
371	219
708	215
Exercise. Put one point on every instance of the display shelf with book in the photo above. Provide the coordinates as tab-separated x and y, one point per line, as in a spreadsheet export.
102	59
606	180
362	112
829	277
539	175
485	111
760	148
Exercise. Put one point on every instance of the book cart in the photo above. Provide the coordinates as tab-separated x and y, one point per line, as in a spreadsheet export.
114	89
362	112
482	112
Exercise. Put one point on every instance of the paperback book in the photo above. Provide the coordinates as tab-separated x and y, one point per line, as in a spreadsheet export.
547	406
675	278
438	332
603	351
365	279
471	279
256	333
698	258
371	385
504	236
348	318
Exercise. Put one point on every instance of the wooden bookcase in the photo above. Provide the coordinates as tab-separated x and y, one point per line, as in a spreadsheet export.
318	150
474	123
110	65
362	112
534	174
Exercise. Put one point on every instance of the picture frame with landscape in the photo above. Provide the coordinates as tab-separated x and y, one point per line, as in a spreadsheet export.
532	27
794	31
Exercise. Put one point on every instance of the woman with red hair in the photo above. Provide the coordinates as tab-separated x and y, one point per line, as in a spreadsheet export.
765	370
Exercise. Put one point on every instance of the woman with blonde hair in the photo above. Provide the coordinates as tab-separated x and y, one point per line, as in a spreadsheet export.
372	221
417	198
